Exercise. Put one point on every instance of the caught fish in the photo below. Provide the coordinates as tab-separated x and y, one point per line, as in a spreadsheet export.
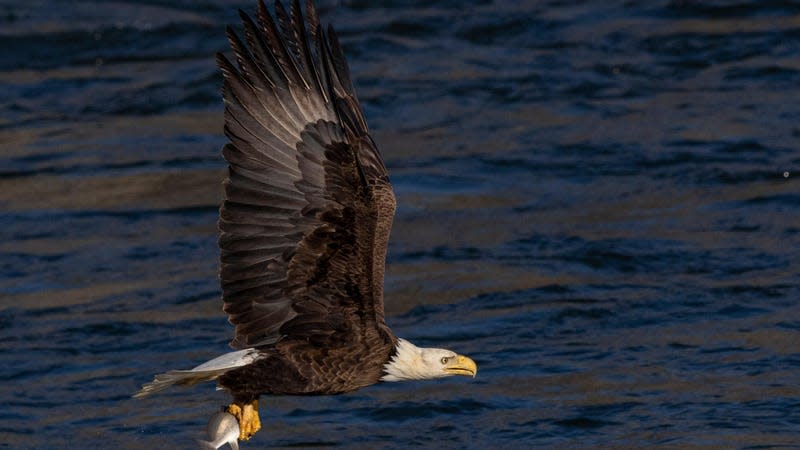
222	429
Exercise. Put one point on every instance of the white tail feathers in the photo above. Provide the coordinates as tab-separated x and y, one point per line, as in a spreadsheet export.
182	377
207	371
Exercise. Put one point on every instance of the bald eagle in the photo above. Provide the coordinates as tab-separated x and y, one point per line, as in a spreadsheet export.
303	228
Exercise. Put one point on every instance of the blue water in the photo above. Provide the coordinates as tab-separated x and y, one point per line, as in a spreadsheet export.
597	201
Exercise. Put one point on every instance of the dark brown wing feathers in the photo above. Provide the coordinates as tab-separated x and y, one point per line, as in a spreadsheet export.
308	204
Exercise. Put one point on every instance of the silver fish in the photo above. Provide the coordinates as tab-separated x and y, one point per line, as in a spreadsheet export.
222	429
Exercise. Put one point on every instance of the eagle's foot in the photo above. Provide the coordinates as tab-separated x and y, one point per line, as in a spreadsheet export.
247	416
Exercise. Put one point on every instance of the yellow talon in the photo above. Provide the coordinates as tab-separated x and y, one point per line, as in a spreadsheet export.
247	416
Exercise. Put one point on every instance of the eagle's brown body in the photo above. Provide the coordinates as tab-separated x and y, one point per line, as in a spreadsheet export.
304	370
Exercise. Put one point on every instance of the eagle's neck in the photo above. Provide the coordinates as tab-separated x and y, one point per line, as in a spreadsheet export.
405	364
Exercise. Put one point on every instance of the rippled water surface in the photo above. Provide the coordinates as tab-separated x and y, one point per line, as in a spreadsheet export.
598	201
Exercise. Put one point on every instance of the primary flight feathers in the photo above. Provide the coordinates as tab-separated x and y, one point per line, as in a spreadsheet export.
308	204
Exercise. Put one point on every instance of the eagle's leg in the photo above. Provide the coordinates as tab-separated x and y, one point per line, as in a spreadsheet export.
246	414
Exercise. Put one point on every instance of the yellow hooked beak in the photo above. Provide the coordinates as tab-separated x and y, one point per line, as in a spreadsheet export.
461	365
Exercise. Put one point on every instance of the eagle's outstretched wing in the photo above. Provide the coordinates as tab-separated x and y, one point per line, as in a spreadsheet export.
308	204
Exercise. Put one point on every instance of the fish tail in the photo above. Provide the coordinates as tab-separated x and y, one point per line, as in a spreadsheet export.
206	445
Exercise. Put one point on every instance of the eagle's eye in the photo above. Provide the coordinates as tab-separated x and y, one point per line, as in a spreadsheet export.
445	359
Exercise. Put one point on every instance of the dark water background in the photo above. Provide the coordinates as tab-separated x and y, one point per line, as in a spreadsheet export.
598	201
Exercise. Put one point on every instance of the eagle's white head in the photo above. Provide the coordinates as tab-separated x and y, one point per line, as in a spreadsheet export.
413	363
